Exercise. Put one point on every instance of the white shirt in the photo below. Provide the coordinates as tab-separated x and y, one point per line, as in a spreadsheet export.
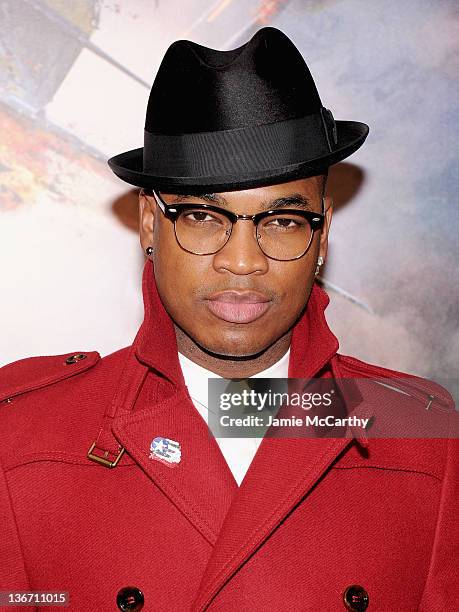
238	452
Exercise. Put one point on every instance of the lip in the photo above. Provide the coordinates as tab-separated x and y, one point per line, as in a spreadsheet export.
231	296
238	306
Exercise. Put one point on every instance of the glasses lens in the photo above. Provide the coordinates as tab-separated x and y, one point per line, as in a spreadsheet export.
284	235
202	231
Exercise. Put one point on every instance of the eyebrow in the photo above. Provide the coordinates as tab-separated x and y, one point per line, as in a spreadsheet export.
297	200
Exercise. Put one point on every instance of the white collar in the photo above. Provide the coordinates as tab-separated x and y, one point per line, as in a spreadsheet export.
196	377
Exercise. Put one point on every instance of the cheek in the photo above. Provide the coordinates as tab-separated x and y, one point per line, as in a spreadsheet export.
296	287
296	277
178	275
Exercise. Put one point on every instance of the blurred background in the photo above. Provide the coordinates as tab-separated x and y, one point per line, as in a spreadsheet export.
74	84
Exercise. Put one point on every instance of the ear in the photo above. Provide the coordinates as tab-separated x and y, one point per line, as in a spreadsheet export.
326	227
147	207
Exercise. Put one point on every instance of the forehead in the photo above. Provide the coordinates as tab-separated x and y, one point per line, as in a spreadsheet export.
305	193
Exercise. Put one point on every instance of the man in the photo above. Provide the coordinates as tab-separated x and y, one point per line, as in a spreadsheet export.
234	222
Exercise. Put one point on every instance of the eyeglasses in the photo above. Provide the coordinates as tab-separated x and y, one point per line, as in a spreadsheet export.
203	229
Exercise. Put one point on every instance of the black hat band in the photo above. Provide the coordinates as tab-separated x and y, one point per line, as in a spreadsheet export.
228	152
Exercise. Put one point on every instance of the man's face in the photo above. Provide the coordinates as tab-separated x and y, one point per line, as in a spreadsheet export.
188	284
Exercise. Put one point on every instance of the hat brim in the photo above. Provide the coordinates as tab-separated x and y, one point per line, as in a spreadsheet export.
128	167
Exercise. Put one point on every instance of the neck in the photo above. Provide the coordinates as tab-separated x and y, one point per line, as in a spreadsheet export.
232	367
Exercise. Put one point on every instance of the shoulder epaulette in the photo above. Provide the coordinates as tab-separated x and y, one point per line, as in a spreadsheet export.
423	389
37	372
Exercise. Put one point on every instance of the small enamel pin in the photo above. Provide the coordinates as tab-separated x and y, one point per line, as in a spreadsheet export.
165	450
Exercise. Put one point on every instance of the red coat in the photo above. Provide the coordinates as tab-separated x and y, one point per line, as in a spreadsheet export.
311	518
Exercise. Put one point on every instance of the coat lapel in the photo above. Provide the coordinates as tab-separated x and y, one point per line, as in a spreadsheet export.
201	485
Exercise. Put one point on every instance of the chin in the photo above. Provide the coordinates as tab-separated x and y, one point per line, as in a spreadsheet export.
232	347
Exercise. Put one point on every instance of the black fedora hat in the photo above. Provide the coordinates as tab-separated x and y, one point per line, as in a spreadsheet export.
226	120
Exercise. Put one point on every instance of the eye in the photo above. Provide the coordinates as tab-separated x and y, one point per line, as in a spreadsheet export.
198	215
283	222
201	217
288	222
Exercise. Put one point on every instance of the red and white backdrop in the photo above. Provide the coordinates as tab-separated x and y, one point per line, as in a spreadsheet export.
74	83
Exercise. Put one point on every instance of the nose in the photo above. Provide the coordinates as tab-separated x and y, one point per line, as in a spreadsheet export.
241	254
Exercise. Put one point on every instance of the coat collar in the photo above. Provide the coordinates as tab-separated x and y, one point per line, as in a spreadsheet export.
234	520
312	345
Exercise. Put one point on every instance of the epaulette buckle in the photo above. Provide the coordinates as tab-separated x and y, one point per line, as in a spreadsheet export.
104	459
